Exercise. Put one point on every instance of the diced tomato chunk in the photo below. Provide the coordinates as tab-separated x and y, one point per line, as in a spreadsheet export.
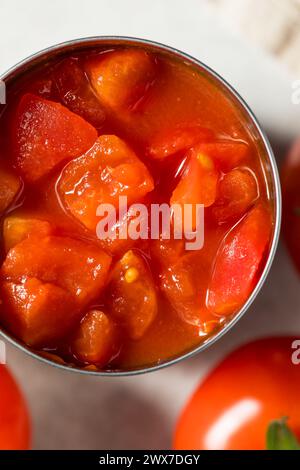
132	295
121	78
17	228
37	312
76	93
226	154
198	183
184	283
76	266
117	238
166	252
42	87
10	186
45	134
178	284
238	262
96	340
180	138
109	170
236	194
184	276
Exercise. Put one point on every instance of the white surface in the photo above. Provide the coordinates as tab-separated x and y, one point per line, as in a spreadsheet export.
273	24
71	411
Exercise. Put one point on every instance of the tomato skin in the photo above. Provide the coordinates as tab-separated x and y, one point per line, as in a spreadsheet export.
14	417
238	262
290	179
232	408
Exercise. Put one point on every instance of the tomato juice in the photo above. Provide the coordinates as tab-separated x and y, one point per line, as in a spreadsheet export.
87	126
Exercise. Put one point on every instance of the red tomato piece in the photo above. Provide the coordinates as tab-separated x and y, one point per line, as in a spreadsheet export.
180	138
45	134
43	87
15	426
235	404
126	223
10	186
109	170
180	283
17	228
290	177
36	312
238	261
76	266
198	182
121	78
96	340
237	192
167	252
132	295
184	279
226	154
76	93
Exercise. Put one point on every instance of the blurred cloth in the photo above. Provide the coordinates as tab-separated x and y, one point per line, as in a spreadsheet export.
273	24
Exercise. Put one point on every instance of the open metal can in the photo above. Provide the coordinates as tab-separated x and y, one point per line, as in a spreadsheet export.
47	56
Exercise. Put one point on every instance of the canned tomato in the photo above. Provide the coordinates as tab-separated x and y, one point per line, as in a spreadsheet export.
140	206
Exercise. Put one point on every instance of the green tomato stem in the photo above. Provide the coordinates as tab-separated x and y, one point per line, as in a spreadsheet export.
280	437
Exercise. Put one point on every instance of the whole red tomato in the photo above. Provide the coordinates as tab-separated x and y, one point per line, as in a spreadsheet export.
235	405
290	179
14	418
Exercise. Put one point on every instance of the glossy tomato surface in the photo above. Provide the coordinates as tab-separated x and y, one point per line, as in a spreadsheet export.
290	178
137	130
14	417
233	407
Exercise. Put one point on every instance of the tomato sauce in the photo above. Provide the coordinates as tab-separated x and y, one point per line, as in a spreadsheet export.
83	130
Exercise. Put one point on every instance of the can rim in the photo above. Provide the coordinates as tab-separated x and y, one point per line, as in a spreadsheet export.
277	193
